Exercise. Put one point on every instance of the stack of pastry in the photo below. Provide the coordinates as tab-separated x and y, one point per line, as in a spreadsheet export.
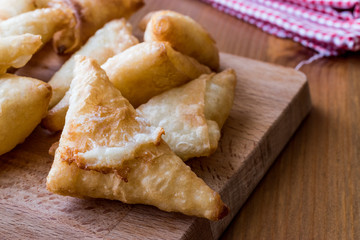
131	113
25	26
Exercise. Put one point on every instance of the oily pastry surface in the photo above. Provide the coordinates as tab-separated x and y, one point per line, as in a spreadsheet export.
219	96
193	114
108	151
16	51
183	34
113	38
155	66
101	122
89	16
8	9
23	103
44	22
55	118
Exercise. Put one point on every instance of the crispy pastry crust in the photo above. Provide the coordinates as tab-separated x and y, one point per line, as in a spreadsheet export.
55	118
88	17
113	38
23	103
8	9
193	114
16	51
219	97
91	160
44	22
184	35
155	66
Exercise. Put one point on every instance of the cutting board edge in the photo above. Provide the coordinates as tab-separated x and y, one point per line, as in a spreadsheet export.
217	228
300	73
203	229
303	94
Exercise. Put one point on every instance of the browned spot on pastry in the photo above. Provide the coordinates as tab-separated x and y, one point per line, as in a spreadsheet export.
223	213
122	173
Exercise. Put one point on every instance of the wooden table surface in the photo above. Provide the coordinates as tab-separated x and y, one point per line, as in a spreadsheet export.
313	189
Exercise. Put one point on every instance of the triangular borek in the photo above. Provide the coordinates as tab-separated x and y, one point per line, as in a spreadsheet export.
193	114
108	151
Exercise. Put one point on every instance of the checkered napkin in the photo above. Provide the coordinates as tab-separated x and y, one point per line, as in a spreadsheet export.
328	27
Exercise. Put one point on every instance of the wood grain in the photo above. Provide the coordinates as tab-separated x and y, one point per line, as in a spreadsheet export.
270	103
312	192
313	189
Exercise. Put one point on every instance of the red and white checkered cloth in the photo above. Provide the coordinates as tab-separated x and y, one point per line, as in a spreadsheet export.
329	27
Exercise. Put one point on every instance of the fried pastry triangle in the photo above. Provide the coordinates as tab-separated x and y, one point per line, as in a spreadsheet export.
154	66
108	151
193	114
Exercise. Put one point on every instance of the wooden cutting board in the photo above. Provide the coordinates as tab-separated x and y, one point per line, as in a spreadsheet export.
270	103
